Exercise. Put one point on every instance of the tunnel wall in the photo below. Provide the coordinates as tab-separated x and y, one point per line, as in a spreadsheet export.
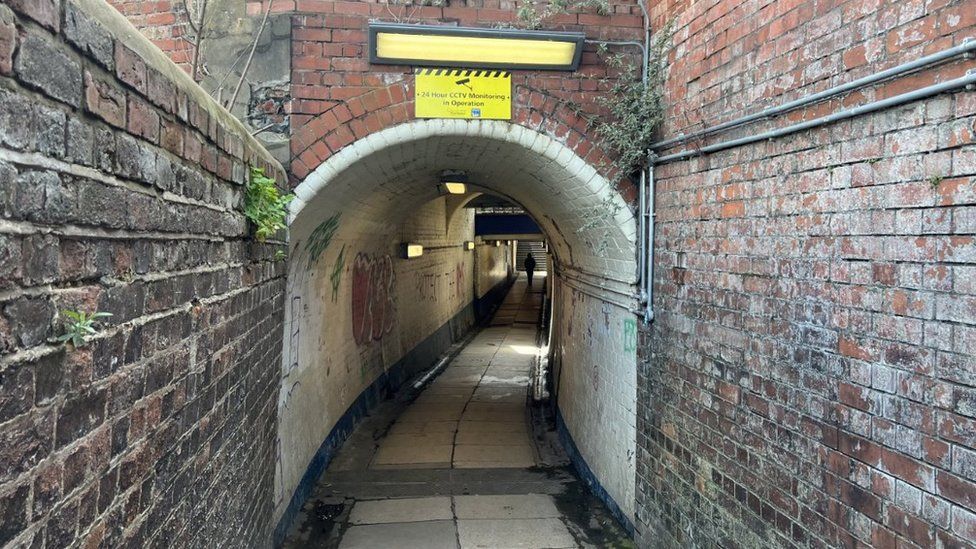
809	379
596	392
362	320
493	274
120	191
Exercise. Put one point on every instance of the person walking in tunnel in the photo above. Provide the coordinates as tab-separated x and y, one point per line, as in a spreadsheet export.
529	267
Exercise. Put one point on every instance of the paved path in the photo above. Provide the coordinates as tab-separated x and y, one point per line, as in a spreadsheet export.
463	464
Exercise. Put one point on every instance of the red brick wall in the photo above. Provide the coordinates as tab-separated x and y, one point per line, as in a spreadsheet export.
165	22
813	383
121	191
332	80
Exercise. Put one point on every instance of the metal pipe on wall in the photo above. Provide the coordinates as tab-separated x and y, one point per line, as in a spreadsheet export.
968	47
908	97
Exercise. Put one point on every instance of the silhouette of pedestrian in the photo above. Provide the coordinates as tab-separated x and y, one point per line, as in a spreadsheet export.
529	267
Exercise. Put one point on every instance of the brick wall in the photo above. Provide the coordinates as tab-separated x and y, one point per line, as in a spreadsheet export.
338	97
166	23
121	187
808	381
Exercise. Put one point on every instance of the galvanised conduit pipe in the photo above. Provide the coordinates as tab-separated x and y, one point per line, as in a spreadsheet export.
922	93
967	47
645	243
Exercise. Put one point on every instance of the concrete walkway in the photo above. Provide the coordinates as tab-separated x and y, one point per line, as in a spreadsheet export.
463	464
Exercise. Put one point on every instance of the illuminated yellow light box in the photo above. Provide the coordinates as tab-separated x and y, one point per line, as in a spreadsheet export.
454	187
410	250
463	47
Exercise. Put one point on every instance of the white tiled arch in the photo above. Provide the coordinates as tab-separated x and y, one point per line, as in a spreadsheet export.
382	177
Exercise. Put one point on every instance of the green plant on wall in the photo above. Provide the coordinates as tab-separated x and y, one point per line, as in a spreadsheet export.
264	205
80	326
635	110
531	16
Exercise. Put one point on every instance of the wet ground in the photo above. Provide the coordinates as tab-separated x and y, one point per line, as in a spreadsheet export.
466	461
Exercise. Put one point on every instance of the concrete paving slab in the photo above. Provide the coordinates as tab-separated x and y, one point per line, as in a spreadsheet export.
482	455
413	455
509	438
399	428
514	534
427	413
522	506
385	511
493	427
473	413
411	535
419	439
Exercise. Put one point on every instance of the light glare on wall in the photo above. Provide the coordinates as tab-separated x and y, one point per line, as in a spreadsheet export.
410	251
443	46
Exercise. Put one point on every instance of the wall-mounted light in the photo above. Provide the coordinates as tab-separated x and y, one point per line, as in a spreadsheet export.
468	245
498	243
453	182
461	47
410	251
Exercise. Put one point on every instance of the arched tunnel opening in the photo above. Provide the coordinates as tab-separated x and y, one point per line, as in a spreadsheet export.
422	368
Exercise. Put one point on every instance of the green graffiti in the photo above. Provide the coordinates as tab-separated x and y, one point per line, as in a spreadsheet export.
630	335
320	238
336	277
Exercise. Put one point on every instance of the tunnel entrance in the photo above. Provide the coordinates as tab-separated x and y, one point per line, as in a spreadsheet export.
363	316
462	457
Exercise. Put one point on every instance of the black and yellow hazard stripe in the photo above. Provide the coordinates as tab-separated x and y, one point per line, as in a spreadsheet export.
462	73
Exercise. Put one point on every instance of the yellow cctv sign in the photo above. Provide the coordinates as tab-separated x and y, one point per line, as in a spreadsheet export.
463	93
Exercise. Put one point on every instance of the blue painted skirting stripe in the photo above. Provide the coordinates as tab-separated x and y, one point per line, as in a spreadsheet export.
420	357
587	474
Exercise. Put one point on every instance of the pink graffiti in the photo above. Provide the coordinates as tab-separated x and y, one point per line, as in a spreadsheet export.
373	307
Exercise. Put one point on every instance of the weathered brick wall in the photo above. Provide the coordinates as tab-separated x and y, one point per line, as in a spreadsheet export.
166	23
120	191
339	97
809	380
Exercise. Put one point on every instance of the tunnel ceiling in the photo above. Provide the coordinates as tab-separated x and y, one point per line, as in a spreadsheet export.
381	179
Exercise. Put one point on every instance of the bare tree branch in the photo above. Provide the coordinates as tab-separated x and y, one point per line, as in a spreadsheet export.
196	49
250	57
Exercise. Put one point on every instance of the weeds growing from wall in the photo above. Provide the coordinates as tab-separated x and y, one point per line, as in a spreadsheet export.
530	16
264	205
635	112
80	326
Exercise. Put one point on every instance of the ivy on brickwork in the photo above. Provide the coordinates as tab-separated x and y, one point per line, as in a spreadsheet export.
264	205
530	16
80	326
407	8
635	110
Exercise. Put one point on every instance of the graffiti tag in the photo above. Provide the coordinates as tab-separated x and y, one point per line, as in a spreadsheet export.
373	306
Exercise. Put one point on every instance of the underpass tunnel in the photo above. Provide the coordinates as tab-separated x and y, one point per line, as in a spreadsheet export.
362	317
